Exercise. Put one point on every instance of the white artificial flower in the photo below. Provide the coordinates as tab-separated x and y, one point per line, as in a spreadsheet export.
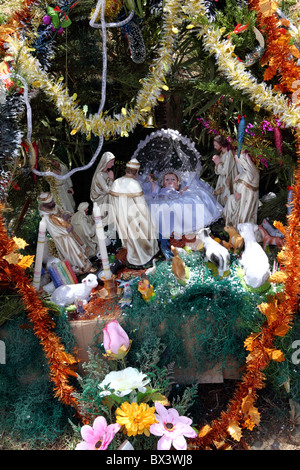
123	382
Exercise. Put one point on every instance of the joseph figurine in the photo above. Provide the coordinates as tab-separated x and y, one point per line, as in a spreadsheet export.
132	217
68	244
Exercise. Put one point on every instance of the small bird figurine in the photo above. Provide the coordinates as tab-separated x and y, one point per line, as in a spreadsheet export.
151	270
165	248
126	299
180	270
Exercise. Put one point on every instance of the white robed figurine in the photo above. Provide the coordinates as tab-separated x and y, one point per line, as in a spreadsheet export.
132	217
62	190
242	206
68	244
225	168
183	205
101	184
84	226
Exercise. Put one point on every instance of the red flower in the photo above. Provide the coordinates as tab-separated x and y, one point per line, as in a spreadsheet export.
239	28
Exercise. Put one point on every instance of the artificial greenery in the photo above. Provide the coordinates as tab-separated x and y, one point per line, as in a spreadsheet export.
28	408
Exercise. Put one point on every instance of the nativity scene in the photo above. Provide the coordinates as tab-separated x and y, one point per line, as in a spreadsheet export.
149	220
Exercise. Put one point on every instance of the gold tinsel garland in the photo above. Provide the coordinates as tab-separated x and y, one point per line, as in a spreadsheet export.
279	311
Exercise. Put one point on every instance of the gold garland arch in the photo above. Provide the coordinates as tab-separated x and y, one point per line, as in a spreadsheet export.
279	312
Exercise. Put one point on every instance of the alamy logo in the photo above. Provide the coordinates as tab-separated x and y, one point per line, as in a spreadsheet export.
2	352
296	354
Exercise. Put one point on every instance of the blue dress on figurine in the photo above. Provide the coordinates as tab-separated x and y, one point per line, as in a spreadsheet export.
182	206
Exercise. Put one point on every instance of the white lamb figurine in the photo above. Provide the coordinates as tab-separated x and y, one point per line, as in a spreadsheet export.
214	252
68	294
254	260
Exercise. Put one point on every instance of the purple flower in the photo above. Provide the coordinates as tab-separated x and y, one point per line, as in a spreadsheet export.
47	19
248	129
266	126
99	436
172	428
264	161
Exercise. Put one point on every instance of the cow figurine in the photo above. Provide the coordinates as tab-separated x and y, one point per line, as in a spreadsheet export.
269	227
254	260
214	252
268	239
72	293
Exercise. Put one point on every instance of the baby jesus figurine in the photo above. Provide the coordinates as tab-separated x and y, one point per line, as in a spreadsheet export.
179	209
170	181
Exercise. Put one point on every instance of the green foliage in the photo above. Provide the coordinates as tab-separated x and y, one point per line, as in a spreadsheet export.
10	306
28	409
205	321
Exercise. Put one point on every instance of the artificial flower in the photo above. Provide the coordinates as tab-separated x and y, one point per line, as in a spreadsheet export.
115	341
123	382
172	428
98	436
135	418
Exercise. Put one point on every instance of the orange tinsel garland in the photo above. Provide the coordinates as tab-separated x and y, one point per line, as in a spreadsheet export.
280	308
60	361
279	311
16	22
281	55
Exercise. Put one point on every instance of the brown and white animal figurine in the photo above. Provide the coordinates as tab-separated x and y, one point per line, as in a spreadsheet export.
236	241
268	239
269	227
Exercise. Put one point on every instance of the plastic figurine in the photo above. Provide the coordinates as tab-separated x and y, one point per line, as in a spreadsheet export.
101	183
179	269
225	168
126	299
68	244
242	205
75	293
183	205
133	220
214	252
254	260
145	288
84	226
62	190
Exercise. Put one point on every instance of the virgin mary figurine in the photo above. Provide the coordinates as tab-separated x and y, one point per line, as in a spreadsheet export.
101	183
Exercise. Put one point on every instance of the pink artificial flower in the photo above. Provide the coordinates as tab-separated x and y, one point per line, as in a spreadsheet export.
115	340
99	436
172	427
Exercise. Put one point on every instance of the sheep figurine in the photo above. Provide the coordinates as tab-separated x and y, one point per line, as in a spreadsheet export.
70	293
214	252
254	260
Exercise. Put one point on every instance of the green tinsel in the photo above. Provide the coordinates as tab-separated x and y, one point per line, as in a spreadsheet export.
207	320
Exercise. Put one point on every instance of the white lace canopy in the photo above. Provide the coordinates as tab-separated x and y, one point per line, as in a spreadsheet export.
167	150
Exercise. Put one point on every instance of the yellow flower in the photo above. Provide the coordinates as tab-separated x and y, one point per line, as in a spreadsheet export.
137	419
